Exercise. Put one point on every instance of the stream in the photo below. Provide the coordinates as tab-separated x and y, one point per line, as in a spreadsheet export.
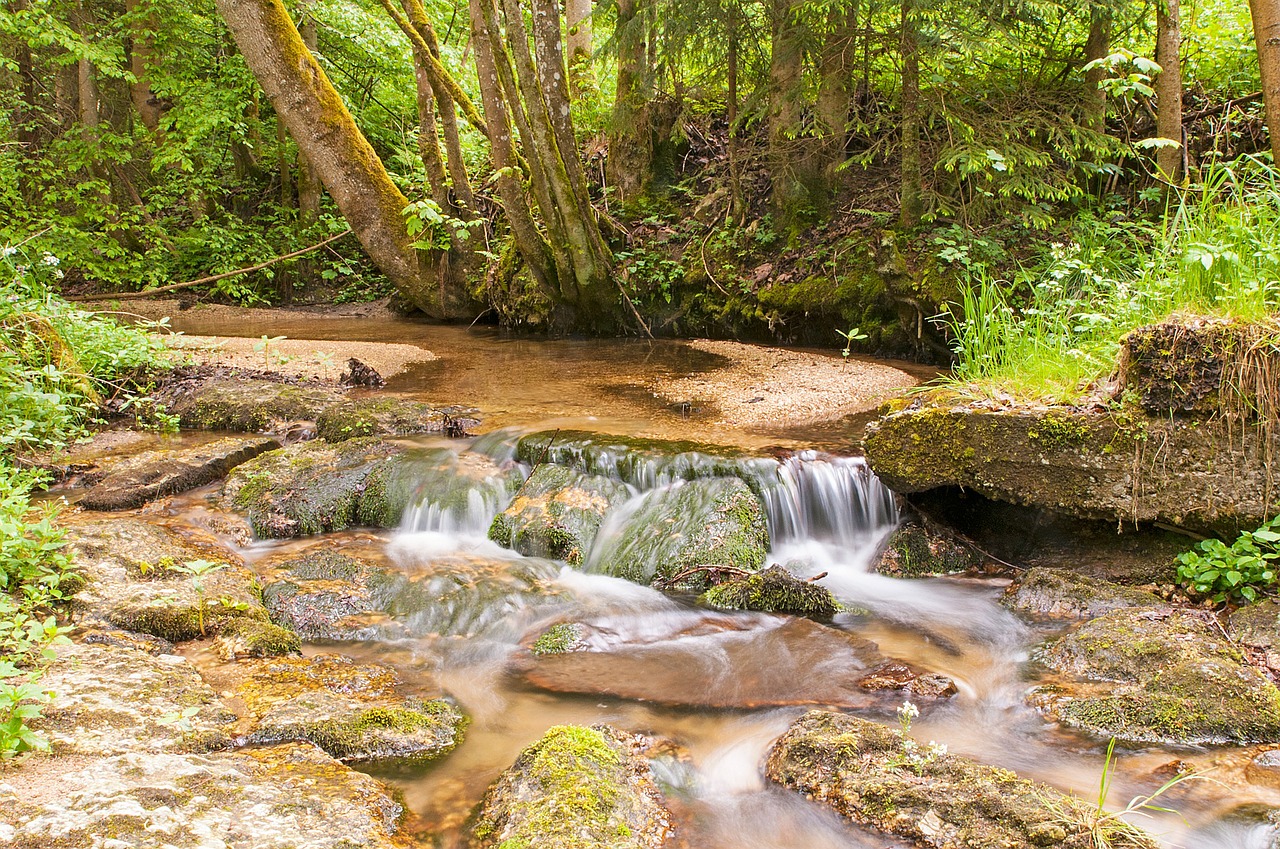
719	686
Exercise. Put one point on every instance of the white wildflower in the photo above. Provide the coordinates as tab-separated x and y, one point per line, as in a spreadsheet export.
8	250
49	259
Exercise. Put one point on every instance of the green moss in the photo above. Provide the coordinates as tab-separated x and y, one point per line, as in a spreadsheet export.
558	639
261	639
1060	431
774	590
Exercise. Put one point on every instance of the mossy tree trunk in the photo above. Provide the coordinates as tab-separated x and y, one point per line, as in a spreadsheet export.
835	92
630	166
787	156
1168	86
1096	47
346	163
1266	34
141	58
577	18
912	202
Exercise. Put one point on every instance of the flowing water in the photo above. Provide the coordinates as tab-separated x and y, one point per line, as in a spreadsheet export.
719	687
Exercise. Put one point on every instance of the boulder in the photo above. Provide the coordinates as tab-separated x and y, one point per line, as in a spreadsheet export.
389	416
1158	676
278	797
878	778
313	487
1065	594
353	711
688	536
155	474
1257	625
233	399
775	590
138	579
575	787
557	513
914	550
1116	467
115	700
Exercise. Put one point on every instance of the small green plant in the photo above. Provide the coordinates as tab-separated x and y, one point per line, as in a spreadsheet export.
853	334
263	346
197	569
180	719
913	756
1243	571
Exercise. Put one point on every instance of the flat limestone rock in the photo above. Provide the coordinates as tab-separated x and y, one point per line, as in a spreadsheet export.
113	700
557	513
575	787
135	582
1065	594
389	416
721	662
877	778
279	797
155	474
1158	676
229	399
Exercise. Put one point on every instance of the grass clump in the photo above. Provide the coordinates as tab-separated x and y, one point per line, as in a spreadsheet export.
1057	327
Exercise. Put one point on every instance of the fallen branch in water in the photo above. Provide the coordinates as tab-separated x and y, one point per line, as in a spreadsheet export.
126	296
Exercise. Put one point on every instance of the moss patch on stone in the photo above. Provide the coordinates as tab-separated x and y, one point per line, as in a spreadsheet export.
914	551
384	416
1165	678
254	638
576	788
775	590
558	639
557	513
1063	593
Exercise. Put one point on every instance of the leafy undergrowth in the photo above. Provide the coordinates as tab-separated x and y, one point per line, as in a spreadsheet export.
1056	331
57	364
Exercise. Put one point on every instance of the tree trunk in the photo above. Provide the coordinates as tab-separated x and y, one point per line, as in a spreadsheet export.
24	113
630	166
347	165
786	154
577	16
835	93
912	190
1168	87
1096	47
1266	33
738	207
145	102
309	187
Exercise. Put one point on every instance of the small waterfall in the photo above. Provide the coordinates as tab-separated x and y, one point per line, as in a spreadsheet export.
459	493
834	500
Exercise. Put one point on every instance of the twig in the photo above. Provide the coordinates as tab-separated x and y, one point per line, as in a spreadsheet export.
174	286
541	457
634	311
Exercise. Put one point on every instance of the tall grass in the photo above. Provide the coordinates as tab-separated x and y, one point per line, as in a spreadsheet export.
1056	328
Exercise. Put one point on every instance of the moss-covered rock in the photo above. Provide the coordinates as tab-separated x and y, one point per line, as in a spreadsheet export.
775	590
389	416
576	788
313	487
561	638
323	592
352	711
212	399
253	638
115	700
292	796
1122	466
1257	625
1158	676
914	551
155	474
137	580
1178	366
684	537
557	513
877	778
1066	594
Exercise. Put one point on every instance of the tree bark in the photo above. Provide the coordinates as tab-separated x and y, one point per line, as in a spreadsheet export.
630	167
25	111
1096	47
309	187
145	102
737	203
324	130
835	92
912	204
786	157
577	16
1266	33
1168	88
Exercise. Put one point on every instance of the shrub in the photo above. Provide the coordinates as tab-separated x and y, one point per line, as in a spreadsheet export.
1242	571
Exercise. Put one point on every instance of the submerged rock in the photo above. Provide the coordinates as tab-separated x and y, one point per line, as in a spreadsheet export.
280	797
719	661
875	777
559	639
894	675
138	578
914	550
576	787
1067	594
155	474
313	487
687	536
557	513
352	711
1159	677
113	700
386	416
775	590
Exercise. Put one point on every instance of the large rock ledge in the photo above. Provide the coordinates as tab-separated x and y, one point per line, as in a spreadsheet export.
1190	472
864	772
